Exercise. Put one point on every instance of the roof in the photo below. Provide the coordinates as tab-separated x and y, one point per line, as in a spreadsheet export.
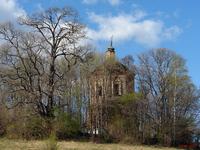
114	67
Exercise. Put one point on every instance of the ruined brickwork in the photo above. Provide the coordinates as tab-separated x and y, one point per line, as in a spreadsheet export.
110	80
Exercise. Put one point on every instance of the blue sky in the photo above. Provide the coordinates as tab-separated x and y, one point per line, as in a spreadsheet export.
136	25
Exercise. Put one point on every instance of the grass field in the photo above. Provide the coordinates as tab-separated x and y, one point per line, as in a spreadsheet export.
42	145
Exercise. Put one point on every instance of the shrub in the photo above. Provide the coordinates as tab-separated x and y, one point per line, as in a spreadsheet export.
66	127
30	128
36	128
105	137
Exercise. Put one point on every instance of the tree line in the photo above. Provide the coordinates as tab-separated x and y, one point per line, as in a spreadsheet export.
44	88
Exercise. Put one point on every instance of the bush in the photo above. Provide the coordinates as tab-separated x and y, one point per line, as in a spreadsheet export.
106	137
36	128
66	127
31	128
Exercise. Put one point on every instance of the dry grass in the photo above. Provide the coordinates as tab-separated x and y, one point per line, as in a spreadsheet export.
40	145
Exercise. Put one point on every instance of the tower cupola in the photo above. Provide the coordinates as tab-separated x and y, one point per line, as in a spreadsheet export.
110	53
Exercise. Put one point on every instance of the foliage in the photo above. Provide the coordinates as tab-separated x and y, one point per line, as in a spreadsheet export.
185	130
47	68
36	128
130	98
65	126
123	125
31	127
168	96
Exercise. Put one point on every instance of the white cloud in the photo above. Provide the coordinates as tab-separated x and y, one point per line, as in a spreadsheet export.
10	9
111	2
135	27
170	32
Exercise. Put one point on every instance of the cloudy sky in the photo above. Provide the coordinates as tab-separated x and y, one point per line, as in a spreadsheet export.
136	25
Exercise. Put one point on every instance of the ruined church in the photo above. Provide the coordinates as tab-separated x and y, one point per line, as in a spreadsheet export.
107	82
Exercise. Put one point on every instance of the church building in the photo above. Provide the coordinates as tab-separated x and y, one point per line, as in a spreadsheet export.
107	82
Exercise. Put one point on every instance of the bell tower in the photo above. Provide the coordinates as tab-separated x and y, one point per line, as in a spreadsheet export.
110	53
107	83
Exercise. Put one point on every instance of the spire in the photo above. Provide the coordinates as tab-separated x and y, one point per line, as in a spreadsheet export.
110	48
111	41
110	53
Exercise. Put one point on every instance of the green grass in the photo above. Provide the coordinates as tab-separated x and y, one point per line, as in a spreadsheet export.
6	144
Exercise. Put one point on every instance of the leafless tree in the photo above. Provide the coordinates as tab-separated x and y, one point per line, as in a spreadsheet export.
30	56
161	73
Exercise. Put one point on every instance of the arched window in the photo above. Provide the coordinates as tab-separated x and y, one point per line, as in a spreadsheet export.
117	88
99	90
